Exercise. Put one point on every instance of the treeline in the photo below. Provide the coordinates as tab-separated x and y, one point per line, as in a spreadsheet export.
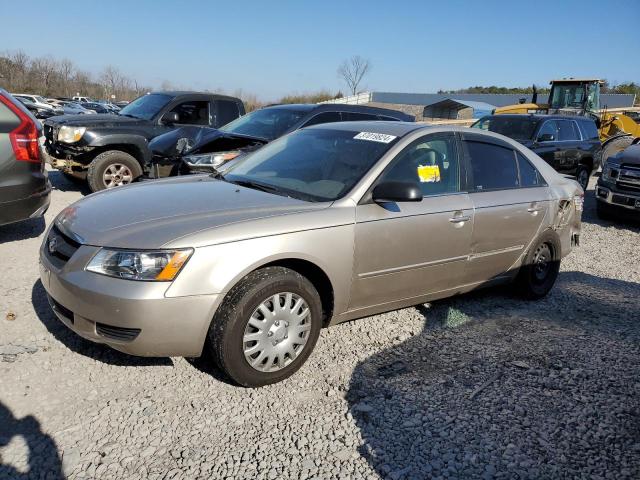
628	87
50	77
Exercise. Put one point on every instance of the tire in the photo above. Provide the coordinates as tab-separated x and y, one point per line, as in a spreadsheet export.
230	348
583	173
115	161
614	146
537	275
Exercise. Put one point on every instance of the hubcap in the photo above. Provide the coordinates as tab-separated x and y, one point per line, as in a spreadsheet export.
541	262
276	332
117	174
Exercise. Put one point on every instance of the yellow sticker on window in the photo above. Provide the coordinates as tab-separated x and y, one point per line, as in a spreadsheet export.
429	173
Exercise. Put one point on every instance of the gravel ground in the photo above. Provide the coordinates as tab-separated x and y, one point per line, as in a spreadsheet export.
480	386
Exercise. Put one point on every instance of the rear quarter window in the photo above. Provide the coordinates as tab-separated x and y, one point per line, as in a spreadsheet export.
589	130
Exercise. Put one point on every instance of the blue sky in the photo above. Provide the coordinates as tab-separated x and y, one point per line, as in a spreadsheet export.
278	47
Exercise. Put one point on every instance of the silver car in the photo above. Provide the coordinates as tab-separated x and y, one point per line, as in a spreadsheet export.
327	224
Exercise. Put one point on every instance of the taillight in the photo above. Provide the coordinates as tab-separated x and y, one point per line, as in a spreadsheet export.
578	201
24	138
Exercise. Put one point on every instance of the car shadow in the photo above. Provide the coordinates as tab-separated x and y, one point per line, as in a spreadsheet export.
64	184
44	460
31	228
497	387
77	344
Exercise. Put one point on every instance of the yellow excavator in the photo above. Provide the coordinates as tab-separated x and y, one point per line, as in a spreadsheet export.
618	127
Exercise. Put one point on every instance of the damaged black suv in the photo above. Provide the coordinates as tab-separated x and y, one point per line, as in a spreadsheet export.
109	150
193	149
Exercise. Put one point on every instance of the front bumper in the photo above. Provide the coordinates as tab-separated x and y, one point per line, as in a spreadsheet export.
614	197
132	317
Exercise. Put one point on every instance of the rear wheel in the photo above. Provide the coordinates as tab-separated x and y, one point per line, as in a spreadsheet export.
112	169
540	269
266	327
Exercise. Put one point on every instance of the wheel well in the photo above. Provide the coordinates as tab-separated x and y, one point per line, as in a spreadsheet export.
123	147
587	162
317	277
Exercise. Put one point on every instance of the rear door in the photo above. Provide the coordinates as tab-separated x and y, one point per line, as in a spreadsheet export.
223	112
547	145
409	249
570	141
510	200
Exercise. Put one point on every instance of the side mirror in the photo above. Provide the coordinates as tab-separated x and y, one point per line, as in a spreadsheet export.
170	118
546	137
397	192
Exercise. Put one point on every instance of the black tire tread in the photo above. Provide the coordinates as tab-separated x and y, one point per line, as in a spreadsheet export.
224	316
94	177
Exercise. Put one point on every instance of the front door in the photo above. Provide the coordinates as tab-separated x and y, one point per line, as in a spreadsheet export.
408	250
510	201
548	146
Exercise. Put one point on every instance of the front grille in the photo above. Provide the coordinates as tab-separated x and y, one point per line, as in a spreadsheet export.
117	333
62	310
59	247
629	177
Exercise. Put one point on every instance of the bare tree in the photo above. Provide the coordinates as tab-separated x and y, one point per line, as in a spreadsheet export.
353	70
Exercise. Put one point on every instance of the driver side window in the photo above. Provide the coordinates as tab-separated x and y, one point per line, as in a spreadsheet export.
193	113
431	162
550	127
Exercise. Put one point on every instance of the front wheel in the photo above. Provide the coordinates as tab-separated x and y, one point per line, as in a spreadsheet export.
540	269
112	169
266	327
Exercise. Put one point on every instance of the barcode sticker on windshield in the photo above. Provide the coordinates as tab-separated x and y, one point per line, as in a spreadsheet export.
375	137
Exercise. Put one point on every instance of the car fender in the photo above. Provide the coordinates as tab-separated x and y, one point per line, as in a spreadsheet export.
136	142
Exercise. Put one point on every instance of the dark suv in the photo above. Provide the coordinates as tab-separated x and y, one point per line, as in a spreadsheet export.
570	144
24	185
192	149
112	149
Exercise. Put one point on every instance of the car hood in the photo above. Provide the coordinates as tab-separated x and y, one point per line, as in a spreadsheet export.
166	213
193	140
98	120
629	156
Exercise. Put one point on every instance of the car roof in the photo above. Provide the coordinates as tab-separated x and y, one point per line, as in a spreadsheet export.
177	93
540	116
398	129
340	107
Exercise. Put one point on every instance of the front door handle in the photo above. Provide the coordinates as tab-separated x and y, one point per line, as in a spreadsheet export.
460	219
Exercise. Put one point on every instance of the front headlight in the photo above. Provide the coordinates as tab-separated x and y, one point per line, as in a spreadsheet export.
210	159
159	266
610	171
68	134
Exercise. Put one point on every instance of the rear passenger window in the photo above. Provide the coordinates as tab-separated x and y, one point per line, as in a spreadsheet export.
589	130
326	117
567	131
529	176
492	167
227	111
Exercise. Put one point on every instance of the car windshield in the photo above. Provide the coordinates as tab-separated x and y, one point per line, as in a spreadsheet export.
311	164
146	106
518	128
268	123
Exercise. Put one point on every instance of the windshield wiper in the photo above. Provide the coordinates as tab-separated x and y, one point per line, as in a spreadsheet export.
259	186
